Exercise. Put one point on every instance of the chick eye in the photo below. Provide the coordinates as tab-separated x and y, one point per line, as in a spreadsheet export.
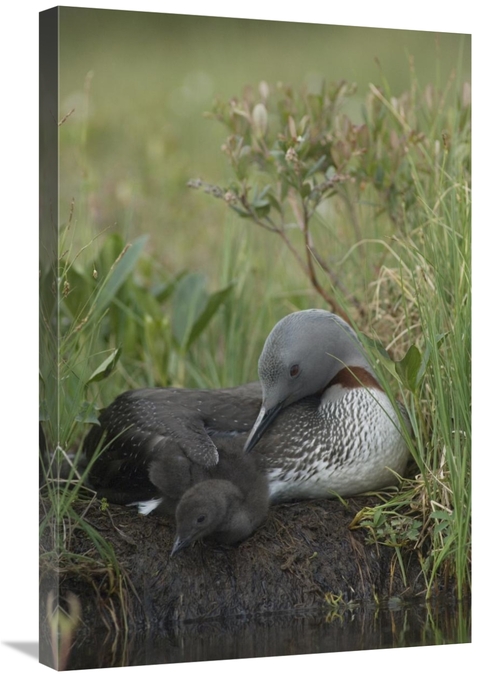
200	519
294	370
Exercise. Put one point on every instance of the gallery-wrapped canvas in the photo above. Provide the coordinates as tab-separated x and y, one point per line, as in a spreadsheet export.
254	338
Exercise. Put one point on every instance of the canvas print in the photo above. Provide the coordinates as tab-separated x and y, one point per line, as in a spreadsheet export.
255	338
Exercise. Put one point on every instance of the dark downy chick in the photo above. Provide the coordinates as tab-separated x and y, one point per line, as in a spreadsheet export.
227	506
217	509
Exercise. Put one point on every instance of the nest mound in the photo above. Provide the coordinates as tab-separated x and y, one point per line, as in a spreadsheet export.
303	551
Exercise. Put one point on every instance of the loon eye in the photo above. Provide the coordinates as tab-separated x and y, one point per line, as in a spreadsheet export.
294	370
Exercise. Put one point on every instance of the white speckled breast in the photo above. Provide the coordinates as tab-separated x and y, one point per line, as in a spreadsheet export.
353	443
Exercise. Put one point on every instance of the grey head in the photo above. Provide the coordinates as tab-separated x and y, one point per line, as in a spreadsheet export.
205	509
301	356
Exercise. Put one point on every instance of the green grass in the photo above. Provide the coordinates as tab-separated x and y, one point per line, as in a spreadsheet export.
134	240
432	274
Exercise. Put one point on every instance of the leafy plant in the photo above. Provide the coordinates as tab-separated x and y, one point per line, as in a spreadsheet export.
291	151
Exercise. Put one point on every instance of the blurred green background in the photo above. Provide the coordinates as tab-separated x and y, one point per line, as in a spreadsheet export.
139	84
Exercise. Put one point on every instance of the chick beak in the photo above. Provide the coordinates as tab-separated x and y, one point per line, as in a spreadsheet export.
179	544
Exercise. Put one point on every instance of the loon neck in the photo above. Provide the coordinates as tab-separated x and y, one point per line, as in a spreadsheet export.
353	377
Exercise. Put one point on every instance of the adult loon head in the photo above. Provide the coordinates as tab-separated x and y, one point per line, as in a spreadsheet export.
301	357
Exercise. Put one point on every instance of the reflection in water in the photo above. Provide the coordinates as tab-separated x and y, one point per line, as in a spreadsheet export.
395	624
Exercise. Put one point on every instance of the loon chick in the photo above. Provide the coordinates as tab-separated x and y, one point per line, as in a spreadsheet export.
227	502
222	509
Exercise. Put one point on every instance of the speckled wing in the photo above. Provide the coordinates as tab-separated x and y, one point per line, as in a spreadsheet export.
141	425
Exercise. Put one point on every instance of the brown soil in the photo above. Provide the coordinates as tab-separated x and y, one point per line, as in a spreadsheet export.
303	551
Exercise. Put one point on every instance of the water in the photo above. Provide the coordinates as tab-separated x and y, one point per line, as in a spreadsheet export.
393	624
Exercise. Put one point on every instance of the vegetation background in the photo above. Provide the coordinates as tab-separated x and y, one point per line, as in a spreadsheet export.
139	84
135	87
